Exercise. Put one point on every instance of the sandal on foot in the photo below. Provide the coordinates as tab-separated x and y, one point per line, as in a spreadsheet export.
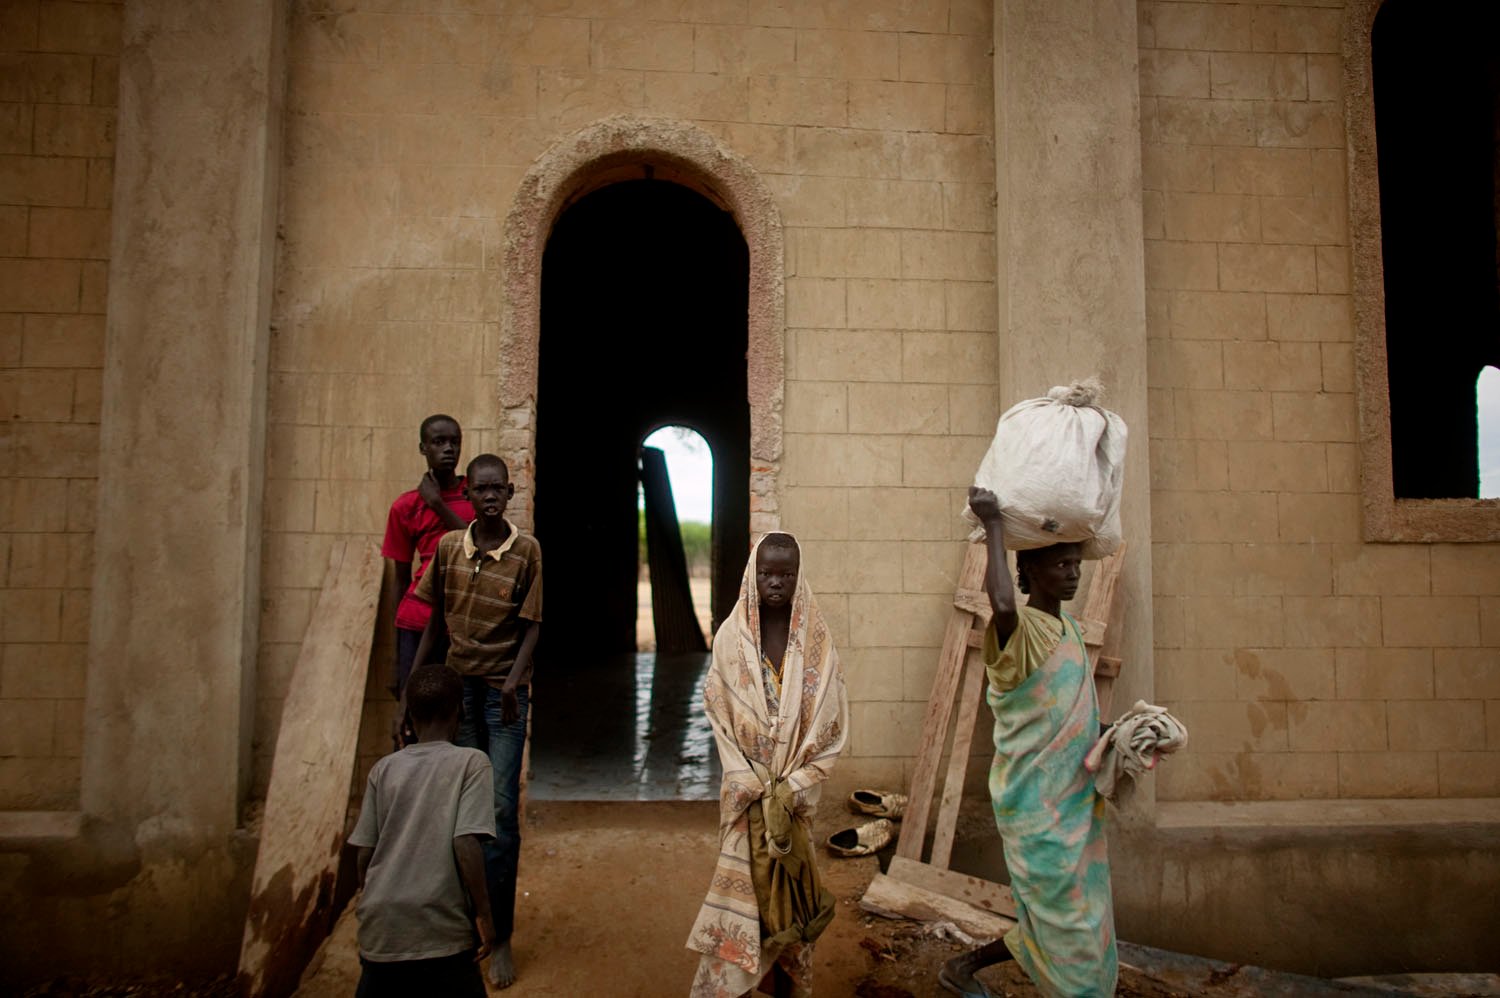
949	984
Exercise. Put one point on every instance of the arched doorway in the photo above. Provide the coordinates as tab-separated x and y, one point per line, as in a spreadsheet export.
643	316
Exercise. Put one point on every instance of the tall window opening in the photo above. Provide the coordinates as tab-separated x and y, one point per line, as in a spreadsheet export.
1436	73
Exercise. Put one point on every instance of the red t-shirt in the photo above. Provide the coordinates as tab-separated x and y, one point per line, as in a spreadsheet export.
413	528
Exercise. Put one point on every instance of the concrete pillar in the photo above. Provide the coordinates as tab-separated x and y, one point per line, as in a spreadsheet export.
177	550
1071	250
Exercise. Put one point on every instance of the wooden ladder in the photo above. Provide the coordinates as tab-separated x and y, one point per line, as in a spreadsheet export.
928	890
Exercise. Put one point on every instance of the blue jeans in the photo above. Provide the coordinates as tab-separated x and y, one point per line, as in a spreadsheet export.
483	729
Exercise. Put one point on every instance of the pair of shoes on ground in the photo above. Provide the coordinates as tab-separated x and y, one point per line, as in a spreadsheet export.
872	836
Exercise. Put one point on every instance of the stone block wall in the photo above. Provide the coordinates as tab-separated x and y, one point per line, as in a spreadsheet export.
1307	663
1314	665
407	134
58	91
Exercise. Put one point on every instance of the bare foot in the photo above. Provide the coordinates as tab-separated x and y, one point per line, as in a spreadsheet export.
502	973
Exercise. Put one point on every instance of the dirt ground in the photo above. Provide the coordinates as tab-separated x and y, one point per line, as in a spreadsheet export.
609	891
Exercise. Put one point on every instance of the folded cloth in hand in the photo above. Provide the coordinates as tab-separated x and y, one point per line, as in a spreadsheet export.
1131	746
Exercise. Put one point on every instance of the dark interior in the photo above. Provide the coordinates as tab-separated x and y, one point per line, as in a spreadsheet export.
1437	121
644	323
644	316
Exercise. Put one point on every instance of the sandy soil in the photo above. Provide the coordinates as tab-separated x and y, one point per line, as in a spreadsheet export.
609	891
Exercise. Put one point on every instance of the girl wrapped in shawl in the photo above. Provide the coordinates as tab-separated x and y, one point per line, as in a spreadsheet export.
1050	816
775	697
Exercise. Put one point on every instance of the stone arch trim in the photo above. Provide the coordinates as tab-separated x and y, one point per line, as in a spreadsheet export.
607	151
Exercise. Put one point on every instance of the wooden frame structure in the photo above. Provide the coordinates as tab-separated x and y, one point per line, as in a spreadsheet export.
928	890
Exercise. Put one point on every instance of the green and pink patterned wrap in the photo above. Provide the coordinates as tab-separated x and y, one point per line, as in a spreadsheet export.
1051	820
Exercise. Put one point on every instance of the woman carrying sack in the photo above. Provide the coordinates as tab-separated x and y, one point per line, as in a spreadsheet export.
1050	816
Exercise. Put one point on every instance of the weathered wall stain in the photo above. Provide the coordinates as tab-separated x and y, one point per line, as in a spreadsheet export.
290	926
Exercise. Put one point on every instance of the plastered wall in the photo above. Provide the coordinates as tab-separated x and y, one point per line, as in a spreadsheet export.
58	87
1313	665
1307	663
406	137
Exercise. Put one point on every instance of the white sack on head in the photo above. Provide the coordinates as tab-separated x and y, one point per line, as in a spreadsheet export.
1057	465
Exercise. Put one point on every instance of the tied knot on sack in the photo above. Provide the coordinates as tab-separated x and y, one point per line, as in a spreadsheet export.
1089	391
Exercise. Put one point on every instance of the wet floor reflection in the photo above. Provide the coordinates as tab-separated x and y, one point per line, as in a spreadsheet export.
628	727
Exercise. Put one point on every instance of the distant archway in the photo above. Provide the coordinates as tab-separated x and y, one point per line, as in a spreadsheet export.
676	543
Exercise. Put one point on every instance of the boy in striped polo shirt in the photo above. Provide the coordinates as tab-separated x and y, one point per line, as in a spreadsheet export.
486	583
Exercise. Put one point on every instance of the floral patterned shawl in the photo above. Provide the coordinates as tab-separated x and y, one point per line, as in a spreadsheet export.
797	745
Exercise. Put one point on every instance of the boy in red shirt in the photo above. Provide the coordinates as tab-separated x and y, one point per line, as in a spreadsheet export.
418	519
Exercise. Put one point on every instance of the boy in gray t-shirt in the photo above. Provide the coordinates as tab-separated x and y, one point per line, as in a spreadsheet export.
426	810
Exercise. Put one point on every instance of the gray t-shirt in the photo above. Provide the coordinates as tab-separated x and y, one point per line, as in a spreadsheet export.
417	802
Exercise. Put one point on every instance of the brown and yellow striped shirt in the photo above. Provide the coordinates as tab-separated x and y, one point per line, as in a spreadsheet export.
486	596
